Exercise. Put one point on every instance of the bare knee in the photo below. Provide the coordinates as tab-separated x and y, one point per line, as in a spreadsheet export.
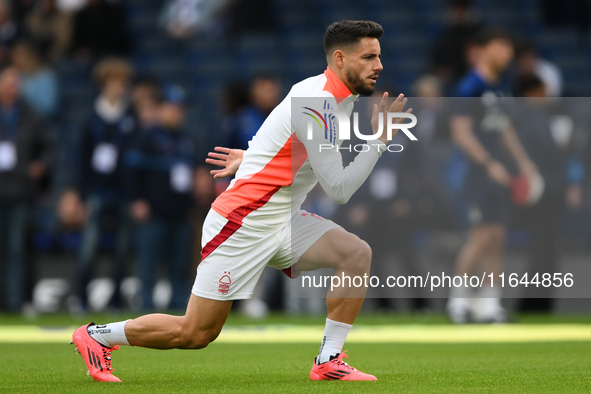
190	336
357	257
198	339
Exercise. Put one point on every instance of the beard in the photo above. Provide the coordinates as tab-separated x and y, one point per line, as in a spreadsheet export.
357	83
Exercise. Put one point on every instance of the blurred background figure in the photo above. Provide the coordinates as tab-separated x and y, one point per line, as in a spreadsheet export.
99	181
100	29
10	31
182	19
25	154
529	63
146	97
486	185
546	130
39	83
449	57
263	96
162	175
49	29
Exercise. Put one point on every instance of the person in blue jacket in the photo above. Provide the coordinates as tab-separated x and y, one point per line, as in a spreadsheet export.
162	168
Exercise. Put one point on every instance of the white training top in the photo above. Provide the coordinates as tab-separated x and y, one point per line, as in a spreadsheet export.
282	165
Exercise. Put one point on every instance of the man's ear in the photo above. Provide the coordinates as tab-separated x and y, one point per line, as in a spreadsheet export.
338	58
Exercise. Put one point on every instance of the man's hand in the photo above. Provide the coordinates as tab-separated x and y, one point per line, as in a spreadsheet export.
528	169
396	106
230	159
140	210
36	170
498	173
70	209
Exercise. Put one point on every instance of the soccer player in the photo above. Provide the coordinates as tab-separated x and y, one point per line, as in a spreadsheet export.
480	130
257	221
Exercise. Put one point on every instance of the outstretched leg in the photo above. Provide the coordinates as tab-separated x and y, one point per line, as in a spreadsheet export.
200	325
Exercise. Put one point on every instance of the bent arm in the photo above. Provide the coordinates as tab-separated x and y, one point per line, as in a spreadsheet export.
519	154
339	182
464	138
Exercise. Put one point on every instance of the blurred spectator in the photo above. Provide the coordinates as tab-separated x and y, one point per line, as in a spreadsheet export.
100	29
449	56
234	98
39	83
24	159
433	126
485	187
264	95
100	181
184	18
145	99
9	31
50	29
530	63
535	120
162	175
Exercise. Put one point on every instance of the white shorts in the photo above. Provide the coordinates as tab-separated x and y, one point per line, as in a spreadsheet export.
234	256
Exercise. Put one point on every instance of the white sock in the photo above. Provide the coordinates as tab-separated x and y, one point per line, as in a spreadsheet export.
110	334
489	302
459	298
335	334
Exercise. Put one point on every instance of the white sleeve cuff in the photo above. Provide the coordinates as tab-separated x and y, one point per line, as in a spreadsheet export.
378	145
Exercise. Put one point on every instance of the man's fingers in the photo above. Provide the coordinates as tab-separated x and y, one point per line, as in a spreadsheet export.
384	101
398	104
222	149
220	156
220	163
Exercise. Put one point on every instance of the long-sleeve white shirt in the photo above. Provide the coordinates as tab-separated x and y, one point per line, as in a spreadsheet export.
283	164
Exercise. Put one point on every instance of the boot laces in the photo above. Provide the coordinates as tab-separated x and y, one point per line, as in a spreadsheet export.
107	356
341	363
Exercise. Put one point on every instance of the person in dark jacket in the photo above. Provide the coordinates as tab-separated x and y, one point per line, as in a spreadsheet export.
162	176
264	95
98	176
25	156
537	120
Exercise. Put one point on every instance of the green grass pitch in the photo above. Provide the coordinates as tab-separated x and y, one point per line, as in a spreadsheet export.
552	367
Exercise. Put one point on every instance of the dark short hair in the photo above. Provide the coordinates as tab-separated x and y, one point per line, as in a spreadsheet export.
526	47
491	33
527	83
347	32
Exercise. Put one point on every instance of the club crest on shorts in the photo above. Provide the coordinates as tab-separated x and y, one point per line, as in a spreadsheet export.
225	282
